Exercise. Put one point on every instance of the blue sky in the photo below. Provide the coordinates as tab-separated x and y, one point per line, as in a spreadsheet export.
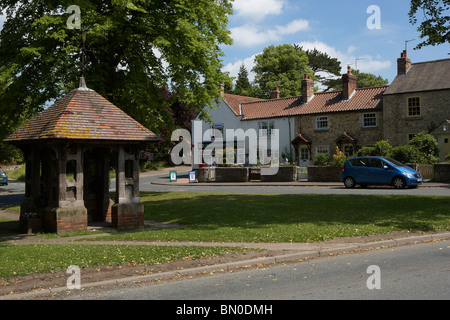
338	28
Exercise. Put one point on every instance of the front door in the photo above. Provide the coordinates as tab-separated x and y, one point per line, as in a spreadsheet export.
444	146
304	156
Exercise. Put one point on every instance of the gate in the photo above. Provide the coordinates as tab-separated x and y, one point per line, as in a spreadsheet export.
254	174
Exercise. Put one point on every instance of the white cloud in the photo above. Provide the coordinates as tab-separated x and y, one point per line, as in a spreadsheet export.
293	27
366	63
233	68
257	10
250	35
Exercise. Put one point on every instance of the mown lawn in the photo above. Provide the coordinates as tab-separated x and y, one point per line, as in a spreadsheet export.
237	217
288	218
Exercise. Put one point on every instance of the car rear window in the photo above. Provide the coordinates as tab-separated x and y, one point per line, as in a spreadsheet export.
362	162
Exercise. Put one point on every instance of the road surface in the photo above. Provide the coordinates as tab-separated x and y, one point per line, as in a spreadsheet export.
411	272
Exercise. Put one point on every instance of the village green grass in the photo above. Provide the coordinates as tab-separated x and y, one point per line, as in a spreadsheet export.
237	218
287	218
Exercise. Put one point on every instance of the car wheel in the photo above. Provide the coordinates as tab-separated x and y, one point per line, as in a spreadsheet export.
349	182
399	183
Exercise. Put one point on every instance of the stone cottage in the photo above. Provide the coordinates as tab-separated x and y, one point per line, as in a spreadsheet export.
418	99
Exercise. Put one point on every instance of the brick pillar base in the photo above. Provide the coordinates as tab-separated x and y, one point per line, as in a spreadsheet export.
66	220
127	215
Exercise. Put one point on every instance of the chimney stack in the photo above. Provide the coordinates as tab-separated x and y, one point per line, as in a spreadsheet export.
222	89
275	94
403	63
348	84
307	88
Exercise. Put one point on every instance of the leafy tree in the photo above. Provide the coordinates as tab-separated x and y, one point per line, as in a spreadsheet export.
321	62
435	26
133	49
366	80
282	66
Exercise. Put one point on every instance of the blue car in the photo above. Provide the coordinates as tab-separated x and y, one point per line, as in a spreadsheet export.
3	178
379	171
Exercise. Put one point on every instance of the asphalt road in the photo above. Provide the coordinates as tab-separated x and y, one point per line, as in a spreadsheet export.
13	193
160	183
418	272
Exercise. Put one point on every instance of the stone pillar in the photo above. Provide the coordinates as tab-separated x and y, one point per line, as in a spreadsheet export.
128	211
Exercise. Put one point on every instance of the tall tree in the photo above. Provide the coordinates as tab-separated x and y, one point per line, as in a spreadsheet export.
243	86
325	68
283	67
434	15
366	80
133	49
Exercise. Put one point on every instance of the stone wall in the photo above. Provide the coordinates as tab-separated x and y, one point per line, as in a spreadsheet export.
324	174
338	123
222	174
442	172
398	125
284	174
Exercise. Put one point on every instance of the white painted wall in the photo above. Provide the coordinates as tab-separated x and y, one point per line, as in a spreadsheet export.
223	114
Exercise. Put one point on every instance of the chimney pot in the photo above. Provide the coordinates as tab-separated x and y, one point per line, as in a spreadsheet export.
403	63
349	84
275	94
307	88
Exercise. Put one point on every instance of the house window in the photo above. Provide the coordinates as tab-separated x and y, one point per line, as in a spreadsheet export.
322	123
369	120
411	136
414	106
322	149
304	154
266	128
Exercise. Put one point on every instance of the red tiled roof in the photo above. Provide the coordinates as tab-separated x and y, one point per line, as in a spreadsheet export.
234	101
325	102
301	138
82	114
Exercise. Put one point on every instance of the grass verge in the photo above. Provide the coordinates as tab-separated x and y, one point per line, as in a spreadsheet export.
288	218
19	260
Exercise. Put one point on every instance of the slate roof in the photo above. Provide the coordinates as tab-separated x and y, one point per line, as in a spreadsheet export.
423	76
325	102
82	114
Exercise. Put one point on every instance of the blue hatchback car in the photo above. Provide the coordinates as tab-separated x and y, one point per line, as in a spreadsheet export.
366	171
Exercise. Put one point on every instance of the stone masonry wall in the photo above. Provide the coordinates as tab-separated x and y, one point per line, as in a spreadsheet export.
398	125
338	123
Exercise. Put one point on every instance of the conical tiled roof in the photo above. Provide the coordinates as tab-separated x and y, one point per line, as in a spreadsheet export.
82	114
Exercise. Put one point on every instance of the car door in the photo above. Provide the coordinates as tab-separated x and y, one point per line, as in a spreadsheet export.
360	168
380	172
